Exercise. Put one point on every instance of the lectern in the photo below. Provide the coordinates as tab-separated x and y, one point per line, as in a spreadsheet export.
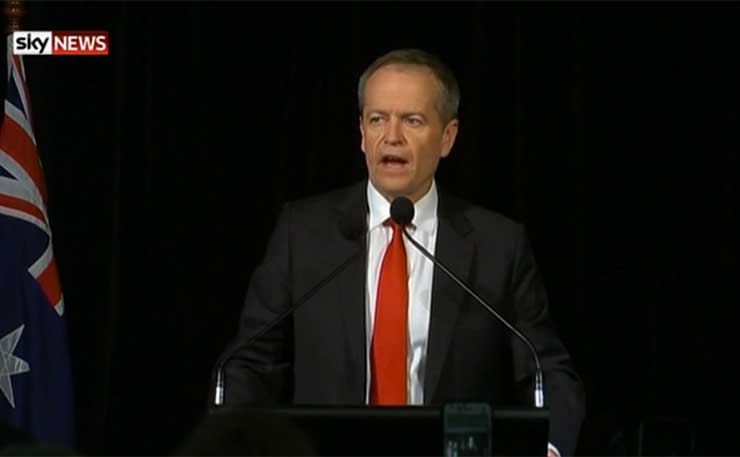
377	431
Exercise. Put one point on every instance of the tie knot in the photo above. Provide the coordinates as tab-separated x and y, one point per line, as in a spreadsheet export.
389	223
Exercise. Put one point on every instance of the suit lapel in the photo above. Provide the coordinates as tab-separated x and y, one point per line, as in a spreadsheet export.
353	218
456	252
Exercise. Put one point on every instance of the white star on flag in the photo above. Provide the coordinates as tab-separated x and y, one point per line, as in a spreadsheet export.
9	364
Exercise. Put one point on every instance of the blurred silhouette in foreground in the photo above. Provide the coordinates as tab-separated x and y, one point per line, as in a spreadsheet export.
235	433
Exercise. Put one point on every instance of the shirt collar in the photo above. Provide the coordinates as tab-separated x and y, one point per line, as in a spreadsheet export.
425	210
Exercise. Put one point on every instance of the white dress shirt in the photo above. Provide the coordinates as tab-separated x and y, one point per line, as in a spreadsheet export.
424	230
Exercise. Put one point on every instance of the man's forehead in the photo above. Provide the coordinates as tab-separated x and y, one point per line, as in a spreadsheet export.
402	89
400	107
401	85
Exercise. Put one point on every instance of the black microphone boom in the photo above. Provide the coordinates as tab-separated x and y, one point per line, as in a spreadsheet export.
402	212
351	229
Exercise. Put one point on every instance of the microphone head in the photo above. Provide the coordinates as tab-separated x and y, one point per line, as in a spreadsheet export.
402	211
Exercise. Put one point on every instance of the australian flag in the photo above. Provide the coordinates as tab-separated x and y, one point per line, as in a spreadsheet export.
35	378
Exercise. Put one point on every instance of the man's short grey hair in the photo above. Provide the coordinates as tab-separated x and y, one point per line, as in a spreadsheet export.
448	97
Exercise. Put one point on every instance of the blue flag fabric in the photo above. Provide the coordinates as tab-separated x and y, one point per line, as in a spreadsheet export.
35	374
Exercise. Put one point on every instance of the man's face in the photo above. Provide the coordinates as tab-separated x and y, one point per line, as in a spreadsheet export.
403	135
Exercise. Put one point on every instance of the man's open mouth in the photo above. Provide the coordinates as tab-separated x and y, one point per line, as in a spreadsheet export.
393	160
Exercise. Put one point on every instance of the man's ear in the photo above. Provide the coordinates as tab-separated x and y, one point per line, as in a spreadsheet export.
448	137
362	135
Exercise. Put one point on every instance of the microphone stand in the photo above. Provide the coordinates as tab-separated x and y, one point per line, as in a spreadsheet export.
539	391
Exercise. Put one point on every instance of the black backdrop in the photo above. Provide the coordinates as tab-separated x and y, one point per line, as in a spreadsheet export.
610	130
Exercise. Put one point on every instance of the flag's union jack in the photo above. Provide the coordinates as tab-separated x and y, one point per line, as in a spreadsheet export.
22	190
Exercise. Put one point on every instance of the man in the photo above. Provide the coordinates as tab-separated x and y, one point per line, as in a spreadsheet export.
378	324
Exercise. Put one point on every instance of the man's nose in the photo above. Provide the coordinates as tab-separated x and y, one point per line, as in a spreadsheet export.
394	132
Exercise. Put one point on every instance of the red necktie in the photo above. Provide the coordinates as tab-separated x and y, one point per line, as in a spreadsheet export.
388	349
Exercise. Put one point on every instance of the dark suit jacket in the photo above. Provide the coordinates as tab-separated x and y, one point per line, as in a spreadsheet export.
319	355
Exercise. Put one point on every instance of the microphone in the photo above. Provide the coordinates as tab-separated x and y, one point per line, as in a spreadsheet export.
402	212
352	229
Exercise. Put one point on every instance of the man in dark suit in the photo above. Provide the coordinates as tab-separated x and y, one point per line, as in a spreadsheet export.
372	332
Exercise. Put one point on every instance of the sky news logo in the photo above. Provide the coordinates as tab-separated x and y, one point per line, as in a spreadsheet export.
68	43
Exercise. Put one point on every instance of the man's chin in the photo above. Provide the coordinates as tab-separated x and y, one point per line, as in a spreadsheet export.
391	192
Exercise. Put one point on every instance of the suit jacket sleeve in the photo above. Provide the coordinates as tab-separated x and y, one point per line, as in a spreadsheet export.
260	372
564	394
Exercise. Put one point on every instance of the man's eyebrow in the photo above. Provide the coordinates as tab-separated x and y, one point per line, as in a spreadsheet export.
402	114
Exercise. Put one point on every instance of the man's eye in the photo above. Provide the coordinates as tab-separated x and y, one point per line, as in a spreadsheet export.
414	121
374	119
